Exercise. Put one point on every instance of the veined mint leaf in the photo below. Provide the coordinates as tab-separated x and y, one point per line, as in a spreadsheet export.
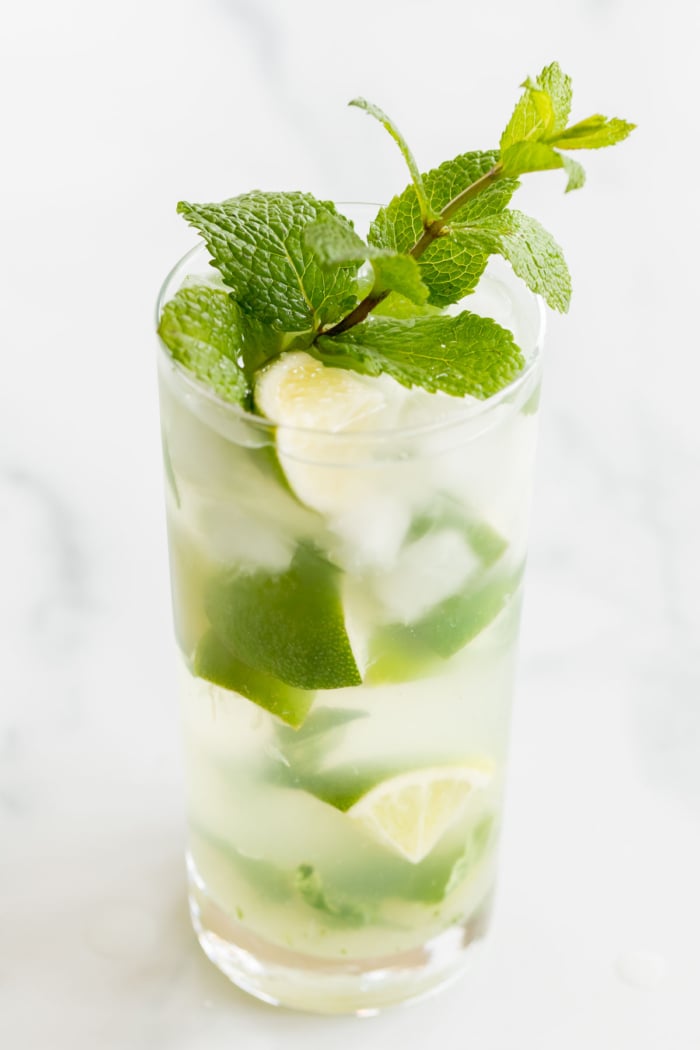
542	110
399	273
399	307
257	244
541	156
335	244
202	328
533	117
532	252
399	226
536	258
449	270
466	354
523	157
594	133
427	213
558	87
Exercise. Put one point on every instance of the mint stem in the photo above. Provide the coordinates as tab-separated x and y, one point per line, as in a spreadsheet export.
433	230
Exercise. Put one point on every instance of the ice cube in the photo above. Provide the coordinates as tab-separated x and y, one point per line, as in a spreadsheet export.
369	532
231	536
427	571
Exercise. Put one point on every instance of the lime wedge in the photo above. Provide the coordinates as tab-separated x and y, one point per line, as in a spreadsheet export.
412	811
217	664
400	652
456	621
309	400
289	625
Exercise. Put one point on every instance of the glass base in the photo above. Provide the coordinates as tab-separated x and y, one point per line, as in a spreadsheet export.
283	977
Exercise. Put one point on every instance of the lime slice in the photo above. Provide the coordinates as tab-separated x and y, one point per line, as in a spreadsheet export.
298	391
412	811
310	400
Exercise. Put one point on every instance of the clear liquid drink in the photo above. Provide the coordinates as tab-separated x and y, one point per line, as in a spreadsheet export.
346	603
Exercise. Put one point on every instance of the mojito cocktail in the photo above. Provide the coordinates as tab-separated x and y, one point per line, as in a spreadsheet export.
349	412
346	605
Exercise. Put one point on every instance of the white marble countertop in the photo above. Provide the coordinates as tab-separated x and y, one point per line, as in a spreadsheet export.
111	116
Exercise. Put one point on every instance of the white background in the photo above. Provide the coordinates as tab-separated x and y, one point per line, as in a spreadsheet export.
110	115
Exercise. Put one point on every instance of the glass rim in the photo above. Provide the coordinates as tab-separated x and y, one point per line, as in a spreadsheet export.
473	409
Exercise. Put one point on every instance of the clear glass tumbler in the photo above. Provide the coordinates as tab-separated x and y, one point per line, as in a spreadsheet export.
346	608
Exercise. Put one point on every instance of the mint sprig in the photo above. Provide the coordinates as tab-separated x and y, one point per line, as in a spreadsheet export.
294	265
257	244
335	244
450	265
537	130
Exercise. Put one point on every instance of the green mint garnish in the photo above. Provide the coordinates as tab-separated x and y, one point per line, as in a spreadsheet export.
538	130
293	264
466	354
201	326
335	243
257	244
450	265
532	252
207	331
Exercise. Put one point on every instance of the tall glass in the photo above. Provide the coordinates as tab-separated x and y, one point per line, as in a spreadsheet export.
346	609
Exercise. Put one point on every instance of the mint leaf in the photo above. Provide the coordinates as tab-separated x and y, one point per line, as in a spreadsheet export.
335	243
202	328
542	110
288	625
594	133
466	354
558	86
257	244
342	910
399	273
534	255
401	308
525	157
426	211
532	117
450	270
